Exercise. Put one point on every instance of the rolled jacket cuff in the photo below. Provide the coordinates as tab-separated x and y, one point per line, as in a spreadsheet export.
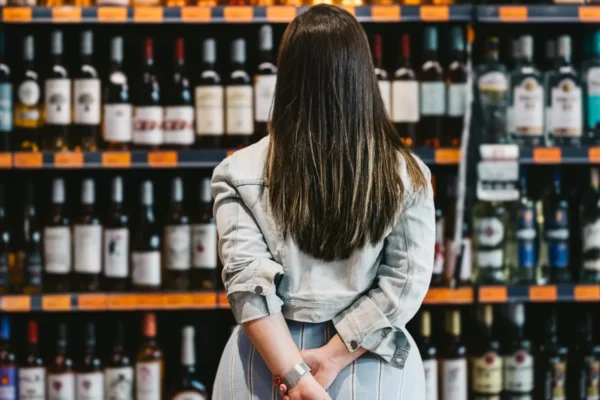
248	307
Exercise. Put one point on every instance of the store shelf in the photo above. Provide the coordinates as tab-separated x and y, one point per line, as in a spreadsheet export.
538	294
538	13
557	155
449	296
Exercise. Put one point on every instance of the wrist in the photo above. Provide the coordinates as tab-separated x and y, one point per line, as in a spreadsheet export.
338	355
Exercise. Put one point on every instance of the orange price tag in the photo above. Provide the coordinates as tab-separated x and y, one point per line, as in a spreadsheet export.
183	300
447	156
205	300
66	14
550	155
437	295
281	13
195	14
493	294
589	14
28	160
543	293
116	159
594	154
16	303
434	13
513	13
162	159
68	159
350	9
112	14
91	302
16	14
238	14
587	293
5	160
149	301
222	300
385	13
56	303
148	14
121	302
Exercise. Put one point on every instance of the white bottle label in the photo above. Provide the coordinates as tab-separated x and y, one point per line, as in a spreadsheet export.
591	236
90	386
177	246
386	94
147	125
518	372
61	386
179	125
57	249
457	99
528	108
431	379
433	98
189	396
29	93
148	380
405	101
146	268
88	248
493	82
490	258
116	252
210	119
264	93
487	374
491	232
593	81
87	101
58	101
204	240
117	120
567	109
239	119
32	383
118	383
454	379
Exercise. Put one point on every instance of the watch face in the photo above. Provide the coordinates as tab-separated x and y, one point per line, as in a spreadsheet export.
295	374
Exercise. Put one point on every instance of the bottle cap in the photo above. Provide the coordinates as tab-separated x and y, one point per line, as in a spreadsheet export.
58	191
487	315
87	191
61	335
206	191
425	324
116	49
147	193
87	43
187	346
238	51
405	44
515	46
149	329
90	334
28	48
117	189
493	43
526	46
179	50
517	311
177	190
57	43
458	39
453	322
596	43
376	46
431	38
32	331
4	327
149	48
595	177
564	46
209	51
265	36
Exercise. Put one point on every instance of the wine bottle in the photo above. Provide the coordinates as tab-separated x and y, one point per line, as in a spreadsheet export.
586	362
118	372
61	377
5	245
57	99
32	373
210	99
177	237
145	243
456	87
590	220
8	362
486	378
405	95
453	362
239	126
204	241
264	82
429	356
380	72
518	359
57	243
89	379
527	237
149	363
179	110
118	114
557	232
116	242
187	385
87	232
432	93
553	363
86	93
28	106
148	113
6	99
29	255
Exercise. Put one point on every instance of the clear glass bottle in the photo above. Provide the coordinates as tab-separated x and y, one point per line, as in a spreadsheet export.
591	87
590	221
489	223
557	231
525	265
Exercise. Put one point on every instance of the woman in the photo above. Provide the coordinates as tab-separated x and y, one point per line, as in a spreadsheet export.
326	232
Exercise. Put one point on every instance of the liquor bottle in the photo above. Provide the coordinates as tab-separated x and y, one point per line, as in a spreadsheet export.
8	362
147	113
429	356
32	373
187	385
564	99
405	95
6	99
586	362
239	125
450	252
518	359
29	256
5	244
116	242
527	237
61	377
89	380
453	362
210	99
264	82
86	93
118	370
28	105
527	98
380	72
87	232
145	245
591	87
489	226
57	243
117	120
179	110
437	277
177	238
204	274
556	231
149	363
456	89
432	93
486	368
553	363
57	99
590	221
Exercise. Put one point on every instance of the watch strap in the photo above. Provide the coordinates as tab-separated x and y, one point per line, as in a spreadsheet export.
293	376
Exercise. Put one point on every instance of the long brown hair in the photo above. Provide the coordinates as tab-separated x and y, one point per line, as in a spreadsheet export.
333	167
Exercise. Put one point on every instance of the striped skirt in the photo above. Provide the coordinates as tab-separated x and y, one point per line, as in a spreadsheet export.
243	374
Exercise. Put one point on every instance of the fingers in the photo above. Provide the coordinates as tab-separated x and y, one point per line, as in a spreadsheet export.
283	391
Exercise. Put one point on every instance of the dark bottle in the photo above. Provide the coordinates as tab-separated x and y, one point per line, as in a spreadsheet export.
57	99
585	359
486	371
116	242
176	239
264	82
518	358
432	93
6	99
147	113
239	121
527	237
118	370
453	361
179	110
552	374
149	366
439	258
145	245
5	244
210	99
32	372
187	385
28	118
87	242
429	356
57	243
8	363
117	113
590	221
380	72
89	380
61	376
449	204
456	82
86	93
204	274
557	232
405	95
29	255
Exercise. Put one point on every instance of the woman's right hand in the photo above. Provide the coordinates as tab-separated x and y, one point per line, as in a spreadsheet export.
307	388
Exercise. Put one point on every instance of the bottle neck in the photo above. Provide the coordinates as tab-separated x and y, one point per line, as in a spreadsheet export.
86	59
493	56
58	59
116	65
265	56
208	66
238	65
431	54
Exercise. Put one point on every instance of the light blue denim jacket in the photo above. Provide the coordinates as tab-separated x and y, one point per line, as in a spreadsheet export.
370	296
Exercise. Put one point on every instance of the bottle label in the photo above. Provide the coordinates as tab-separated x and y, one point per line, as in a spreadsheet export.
567	109
557	235
87	101
491	232
117	121
179	125
558	371
90	386
116	252
147	380
518	372
454	379
58	101
457	99
386	94
61	386
146	268
29	93
405	101
528	108
6	107
591	246
57	249
493	82
431	379
264	93
487	374
147	125
593	97
433	98
526	239
239	119
189	395
177	243
8	383
440	251
591	378
204	240
32	383
88	248
118	383
210	108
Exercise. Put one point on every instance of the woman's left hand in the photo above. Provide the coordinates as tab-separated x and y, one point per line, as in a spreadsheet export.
323	367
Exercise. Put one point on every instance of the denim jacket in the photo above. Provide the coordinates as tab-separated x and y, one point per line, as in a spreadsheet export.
370	296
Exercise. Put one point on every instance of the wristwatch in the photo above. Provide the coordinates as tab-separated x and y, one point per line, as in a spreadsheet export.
293	376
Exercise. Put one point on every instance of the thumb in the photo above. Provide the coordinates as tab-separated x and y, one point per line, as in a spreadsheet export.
308	355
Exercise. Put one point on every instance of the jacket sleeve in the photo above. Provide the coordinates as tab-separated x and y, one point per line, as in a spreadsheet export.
376	319
249	271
